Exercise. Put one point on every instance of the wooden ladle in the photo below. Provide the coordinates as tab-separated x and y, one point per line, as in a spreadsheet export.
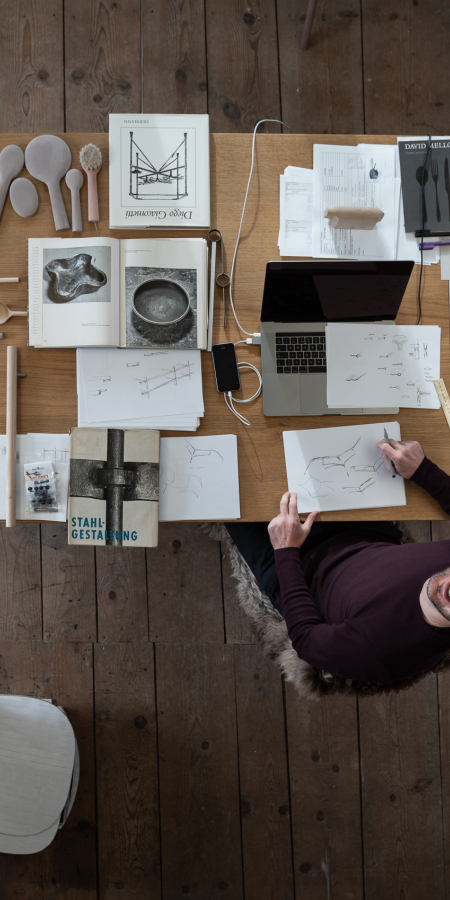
6	313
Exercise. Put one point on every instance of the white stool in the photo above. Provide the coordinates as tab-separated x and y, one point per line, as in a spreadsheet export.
39	772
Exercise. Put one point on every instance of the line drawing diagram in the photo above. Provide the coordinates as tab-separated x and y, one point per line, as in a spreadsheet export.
359	489
196	453
386	355
399	340
323	489
145	175
357	355
425	351
170	376
186	482
100	378
368	468
181	484
97	393
329	462
355	377
421	394
415	350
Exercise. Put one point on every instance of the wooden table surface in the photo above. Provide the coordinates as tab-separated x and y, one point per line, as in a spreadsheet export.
47	400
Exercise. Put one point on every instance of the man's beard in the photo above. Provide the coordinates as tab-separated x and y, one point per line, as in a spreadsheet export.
441	608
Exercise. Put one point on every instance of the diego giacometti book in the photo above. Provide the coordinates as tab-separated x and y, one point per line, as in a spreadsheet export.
149	293
113	487
159	171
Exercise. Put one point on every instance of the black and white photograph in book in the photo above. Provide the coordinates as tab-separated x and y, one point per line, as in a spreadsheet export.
161	307
73	277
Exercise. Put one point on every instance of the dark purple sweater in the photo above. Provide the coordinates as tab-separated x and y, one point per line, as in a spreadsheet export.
352	604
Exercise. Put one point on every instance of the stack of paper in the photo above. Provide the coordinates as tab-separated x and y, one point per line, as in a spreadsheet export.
199	478
383	365
296	211
159	389
37	448
366	175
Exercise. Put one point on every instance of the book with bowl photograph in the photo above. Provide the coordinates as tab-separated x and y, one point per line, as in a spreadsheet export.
102	292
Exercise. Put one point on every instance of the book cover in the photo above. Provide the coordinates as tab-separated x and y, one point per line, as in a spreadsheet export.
436	208
159	171
113	487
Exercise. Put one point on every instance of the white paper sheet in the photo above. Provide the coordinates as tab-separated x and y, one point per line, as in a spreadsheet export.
33	448
199	478
134	384
341	468
383	365
354	176
296	210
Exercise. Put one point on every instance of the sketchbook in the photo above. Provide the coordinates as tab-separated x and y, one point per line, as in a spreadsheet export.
342	468
199	478
159	171
113	487
103	292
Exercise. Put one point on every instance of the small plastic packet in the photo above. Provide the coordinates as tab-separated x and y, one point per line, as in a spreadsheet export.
41	493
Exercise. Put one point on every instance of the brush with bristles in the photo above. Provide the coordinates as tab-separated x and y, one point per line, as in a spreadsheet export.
91	162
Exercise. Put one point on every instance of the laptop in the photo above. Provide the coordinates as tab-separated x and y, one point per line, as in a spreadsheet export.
299	299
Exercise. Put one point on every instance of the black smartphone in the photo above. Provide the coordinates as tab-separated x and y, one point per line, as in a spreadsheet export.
225	368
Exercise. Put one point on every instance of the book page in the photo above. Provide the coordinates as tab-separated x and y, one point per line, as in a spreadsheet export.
79	292
163	293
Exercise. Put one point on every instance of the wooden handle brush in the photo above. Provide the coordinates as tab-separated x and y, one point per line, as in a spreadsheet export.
91	162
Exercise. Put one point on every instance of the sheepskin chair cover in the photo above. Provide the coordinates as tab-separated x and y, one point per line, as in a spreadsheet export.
270	629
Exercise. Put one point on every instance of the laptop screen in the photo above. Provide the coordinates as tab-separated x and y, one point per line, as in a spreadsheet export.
334	291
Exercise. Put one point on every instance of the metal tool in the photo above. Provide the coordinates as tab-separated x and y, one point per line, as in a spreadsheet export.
223	281
391	464
214	236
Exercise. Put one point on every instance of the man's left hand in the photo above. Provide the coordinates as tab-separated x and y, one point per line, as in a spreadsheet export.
286	530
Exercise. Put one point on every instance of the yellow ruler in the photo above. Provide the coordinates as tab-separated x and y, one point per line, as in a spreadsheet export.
443	397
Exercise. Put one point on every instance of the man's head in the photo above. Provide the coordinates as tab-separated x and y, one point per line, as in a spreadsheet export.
435	599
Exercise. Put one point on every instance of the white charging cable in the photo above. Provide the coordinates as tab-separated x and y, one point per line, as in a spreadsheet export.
242	220
228	397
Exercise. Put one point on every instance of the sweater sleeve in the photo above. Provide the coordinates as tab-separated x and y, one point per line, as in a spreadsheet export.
341	649
435	481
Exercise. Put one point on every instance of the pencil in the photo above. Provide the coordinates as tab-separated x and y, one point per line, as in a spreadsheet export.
391	464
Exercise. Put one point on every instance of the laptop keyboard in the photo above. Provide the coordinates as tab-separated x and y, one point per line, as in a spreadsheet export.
301	352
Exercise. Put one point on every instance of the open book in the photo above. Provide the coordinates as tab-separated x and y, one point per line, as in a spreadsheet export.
103	292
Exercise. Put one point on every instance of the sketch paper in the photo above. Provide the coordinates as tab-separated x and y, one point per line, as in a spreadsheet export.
342	468
34	448
133	384
354	176
383	365
199	478
159	171
296	212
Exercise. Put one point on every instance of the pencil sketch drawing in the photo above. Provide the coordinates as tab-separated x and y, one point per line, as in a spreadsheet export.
415	350
368	468
386	355
399	340
359	489
354	377
196	453
181	484
328	462
316	488
152	178
357	355
421	394
167	376
425	351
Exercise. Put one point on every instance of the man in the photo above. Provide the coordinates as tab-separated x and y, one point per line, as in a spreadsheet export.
357	603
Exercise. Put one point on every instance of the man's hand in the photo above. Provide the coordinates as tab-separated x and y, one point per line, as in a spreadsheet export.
406	456
286	530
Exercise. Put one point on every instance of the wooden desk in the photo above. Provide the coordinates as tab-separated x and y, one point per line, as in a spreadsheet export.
47	396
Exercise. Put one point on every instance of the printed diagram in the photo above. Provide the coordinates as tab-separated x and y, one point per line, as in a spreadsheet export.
421	394
415	350
317	487
152	178
399	340
167	376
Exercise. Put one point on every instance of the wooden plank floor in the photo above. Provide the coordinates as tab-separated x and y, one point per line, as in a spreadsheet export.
202	775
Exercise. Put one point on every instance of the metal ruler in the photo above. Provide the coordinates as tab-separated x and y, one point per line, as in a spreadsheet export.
443	397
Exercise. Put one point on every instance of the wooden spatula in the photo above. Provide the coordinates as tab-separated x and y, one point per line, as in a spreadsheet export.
47	157
11	165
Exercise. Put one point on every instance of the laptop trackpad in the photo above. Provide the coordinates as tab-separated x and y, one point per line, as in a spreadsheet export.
313	397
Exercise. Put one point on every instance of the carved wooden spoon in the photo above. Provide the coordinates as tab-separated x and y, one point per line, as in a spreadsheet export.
6	313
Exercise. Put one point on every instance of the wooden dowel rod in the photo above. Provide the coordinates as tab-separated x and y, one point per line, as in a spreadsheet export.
11	432
9	280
